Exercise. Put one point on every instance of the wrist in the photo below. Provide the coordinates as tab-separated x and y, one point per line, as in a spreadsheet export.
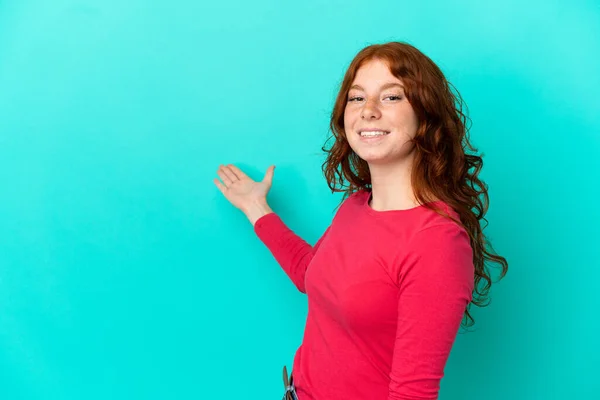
256	210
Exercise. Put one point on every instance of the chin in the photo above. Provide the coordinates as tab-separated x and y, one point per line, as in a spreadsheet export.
373	158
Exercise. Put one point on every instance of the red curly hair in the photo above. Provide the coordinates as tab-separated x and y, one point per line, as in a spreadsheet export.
442	169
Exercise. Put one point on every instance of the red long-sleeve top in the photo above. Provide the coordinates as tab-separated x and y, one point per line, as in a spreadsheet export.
386	290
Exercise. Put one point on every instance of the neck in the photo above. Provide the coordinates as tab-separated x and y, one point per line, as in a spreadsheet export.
392	187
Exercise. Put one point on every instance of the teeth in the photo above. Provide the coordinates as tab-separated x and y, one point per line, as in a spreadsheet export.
373	133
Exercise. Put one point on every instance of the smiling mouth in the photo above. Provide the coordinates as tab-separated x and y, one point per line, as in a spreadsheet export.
372	134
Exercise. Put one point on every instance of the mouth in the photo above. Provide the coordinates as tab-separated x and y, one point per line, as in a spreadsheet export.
373	134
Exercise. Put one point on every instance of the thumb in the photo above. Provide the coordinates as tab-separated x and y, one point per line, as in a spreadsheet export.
269	175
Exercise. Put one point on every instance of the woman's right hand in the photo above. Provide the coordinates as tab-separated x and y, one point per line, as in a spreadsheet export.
241	191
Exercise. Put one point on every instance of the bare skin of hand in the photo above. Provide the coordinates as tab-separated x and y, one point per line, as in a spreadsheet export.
244	193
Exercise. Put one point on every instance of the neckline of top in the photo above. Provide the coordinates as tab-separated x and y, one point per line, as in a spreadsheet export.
367	197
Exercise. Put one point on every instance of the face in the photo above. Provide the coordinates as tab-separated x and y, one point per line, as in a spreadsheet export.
376	102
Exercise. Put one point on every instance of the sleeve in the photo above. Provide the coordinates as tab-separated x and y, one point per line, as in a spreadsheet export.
436	281
291	251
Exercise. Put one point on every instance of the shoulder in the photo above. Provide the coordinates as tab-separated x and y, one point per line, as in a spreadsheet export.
442	249
437	239
440	232
439	220
353	200
358	196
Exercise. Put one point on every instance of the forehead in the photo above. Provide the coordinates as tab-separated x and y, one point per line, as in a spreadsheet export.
373	74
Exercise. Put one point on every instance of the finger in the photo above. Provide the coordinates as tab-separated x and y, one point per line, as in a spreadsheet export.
226	180
220	185
229	173
238	172
268	178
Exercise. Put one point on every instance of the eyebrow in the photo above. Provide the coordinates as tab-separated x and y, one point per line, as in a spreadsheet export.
386	86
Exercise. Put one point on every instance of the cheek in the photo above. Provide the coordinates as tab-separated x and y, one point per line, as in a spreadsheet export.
415	126
409	121
348	118
412	117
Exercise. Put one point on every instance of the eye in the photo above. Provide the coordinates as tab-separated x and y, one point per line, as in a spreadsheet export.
356	98
391	97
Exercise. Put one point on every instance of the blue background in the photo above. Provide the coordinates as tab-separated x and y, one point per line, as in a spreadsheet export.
125	274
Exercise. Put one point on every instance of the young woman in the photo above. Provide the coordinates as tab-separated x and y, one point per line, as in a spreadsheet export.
395	273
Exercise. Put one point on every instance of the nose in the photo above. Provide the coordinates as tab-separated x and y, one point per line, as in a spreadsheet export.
370	111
